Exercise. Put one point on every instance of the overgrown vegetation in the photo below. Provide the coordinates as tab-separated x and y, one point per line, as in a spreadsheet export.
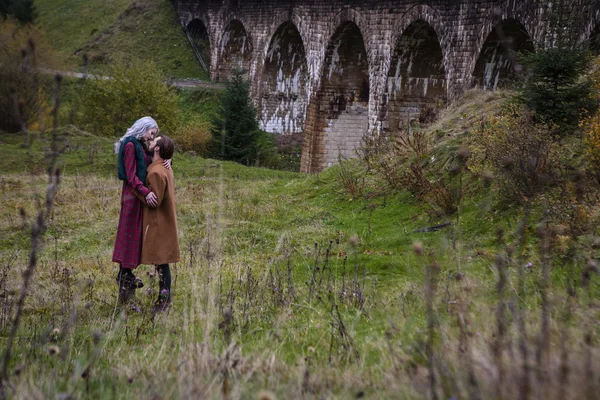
109	106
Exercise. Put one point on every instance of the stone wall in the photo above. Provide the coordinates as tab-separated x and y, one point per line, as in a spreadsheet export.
338	69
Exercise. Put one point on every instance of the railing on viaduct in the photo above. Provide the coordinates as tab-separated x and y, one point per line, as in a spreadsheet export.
333	71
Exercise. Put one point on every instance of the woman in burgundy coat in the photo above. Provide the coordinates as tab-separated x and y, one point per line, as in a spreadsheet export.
133	160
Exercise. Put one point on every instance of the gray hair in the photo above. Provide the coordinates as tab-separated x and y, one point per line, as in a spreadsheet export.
137	130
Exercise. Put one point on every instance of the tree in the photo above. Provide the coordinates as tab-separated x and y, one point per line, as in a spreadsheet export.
234	128
554	87
110	106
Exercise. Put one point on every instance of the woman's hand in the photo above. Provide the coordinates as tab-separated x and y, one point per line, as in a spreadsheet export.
167	163
151	200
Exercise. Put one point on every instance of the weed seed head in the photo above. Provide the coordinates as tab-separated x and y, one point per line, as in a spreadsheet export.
488	177
265	395
354	241
53	350
418	248
463	154
96	336
541	231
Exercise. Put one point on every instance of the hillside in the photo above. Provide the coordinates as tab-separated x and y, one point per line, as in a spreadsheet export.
109	30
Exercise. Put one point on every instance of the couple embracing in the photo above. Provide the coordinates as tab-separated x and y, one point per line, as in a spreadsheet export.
147	232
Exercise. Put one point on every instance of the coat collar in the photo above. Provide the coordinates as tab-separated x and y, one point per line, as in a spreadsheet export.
158	161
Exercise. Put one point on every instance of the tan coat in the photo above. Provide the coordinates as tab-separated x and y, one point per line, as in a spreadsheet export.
159	242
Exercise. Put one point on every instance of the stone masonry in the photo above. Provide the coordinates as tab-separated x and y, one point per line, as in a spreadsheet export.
335	71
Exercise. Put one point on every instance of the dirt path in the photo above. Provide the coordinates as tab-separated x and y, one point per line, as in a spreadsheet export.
185	83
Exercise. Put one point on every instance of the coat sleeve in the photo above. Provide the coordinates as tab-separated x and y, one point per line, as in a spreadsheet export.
130	169
158	183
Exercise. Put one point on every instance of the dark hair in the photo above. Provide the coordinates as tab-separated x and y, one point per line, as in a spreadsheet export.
165	147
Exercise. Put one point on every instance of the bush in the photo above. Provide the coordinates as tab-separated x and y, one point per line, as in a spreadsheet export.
521	154
235	130
110	106
194	136
404	161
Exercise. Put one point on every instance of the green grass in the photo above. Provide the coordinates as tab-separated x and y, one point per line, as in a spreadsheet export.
119	29
239	230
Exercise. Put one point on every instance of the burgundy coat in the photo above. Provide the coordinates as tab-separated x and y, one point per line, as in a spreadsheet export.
128	245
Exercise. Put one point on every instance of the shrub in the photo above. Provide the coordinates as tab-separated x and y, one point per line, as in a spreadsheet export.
194	136
521	154
110	106
267	154
404	161
234	128
23	51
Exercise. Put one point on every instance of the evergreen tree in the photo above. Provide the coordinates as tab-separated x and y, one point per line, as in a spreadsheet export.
234	129
554	87
22	10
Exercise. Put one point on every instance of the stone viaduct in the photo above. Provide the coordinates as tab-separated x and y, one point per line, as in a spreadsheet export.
328	72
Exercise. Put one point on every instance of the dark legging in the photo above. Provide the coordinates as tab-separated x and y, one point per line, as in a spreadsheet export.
164	282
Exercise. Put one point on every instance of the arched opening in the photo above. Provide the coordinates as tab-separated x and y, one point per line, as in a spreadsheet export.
498	58
235	50
344	94
595	41
200	40
417	78
285	75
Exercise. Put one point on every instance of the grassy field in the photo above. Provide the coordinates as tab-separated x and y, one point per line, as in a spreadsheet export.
119	30
288	287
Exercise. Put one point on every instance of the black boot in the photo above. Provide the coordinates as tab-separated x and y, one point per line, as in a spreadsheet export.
164	287
126	292
127	283
125	277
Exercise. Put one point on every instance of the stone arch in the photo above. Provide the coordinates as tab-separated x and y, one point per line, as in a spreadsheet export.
348	15
284	82
432	17
496	63
343	96
200	35
235	50
416	80
283	18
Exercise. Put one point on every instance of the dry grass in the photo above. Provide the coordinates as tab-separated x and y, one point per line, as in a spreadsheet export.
230	334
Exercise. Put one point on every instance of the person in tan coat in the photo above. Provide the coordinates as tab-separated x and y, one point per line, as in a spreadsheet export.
160	245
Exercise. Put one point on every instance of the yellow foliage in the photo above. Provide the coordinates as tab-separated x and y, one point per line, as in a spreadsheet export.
591	123
194	136
24	54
